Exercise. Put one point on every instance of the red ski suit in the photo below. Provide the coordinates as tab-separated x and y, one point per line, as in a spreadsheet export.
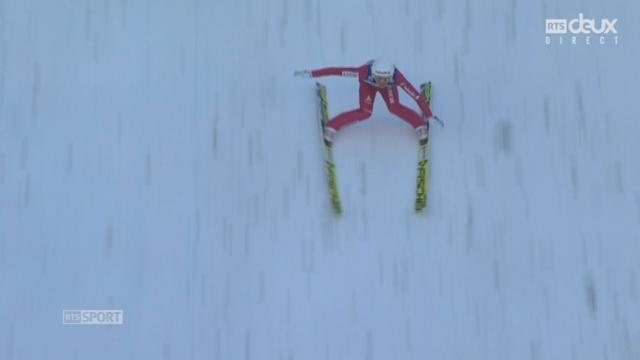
368	90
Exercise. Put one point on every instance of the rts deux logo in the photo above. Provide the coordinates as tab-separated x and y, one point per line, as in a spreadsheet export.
581	30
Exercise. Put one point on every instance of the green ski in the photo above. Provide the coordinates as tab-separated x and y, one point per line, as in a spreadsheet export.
330	166
422	182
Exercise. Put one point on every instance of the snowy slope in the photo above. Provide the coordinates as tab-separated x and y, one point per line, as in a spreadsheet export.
159	157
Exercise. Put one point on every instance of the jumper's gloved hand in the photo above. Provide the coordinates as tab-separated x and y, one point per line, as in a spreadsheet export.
302	73
437	119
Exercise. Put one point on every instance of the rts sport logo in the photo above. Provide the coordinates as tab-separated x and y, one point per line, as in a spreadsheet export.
92	317
581	31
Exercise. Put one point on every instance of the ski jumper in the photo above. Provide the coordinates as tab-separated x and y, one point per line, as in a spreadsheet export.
368	90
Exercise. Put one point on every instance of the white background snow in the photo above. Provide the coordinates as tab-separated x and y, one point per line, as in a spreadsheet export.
159	157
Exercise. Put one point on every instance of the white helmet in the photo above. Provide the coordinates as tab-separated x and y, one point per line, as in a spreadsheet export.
382	69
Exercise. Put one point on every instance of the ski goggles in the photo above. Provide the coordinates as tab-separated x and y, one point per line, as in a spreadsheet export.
381	80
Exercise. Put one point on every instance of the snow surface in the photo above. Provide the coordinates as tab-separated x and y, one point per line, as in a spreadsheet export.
159	157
